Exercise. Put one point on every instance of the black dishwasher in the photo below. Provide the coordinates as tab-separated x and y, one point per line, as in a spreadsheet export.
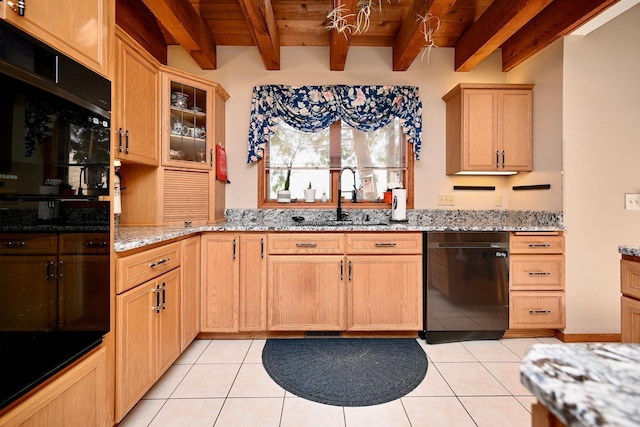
466	286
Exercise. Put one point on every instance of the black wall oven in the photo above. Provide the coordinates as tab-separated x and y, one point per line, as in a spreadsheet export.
54	228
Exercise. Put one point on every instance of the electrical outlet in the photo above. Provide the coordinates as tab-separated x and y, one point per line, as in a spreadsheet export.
445	200
632	202
498	202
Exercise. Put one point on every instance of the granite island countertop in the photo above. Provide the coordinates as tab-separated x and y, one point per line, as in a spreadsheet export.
596	384
367	220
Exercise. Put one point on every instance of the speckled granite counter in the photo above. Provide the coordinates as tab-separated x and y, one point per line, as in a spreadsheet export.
372	220
629	250
586	384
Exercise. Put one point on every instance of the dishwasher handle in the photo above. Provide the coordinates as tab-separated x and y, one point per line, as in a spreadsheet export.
471	245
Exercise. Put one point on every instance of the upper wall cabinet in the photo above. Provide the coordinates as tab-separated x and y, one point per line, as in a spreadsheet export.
80	29
489	129
192	112
135	119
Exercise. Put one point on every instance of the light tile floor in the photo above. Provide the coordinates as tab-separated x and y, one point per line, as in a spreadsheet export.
223	383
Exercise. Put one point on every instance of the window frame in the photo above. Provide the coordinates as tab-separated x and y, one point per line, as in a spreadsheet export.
332	202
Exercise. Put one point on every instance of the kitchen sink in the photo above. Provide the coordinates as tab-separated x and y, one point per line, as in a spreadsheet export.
335	223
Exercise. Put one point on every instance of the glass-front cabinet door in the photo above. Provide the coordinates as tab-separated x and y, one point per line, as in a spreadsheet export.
187	112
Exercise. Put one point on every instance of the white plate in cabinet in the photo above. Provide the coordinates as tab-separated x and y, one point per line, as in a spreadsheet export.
537	310
539	272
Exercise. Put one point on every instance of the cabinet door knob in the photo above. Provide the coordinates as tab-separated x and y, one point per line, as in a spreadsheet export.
19	8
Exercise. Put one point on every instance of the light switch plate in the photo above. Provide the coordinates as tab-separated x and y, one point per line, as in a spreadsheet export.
445	200
632	201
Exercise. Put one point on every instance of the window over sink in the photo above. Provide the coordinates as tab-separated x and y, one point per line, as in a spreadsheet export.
303	137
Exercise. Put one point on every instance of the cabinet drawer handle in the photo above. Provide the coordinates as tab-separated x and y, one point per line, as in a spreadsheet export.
539	273
162	261
539	245
156	308
306	245
539	311
14	244
95	244
385	244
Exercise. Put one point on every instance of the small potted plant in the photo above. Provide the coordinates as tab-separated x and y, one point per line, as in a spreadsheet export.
284	195
310	194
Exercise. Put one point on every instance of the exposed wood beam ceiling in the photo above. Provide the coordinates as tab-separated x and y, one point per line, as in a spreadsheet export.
475	28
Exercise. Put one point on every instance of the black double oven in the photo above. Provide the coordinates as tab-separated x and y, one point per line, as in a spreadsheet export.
54	217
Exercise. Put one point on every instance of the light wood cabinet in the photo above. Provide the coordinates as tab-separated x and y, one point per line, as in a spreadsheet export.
220	282
193	123
233	282
384	292
384	287
148	320
630	300
536	280
148	337
489	128
306	293
75	398
80	29
190	298
253	280
136	117
352	281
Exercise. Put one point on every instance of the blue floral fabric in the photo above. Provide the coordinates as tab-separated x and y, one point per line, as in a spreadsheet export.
311	108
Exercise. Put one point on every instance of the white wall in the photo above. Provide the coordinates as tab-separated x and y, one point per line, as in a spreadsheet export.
241	68
601	120
545	71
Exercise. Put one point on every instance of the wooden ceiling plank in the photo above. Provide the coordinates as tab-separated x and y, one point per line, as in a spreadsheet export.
558	19
184	24
410	40
339	42
499	22
262	25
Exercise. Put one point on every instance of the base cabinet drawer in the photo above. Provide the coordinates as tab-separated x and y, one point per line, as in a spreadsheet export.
539	272
537	310
133	270
532	244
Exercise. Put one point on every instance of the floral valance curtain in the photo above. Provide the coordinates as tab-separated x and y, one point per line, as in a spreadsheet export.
311	108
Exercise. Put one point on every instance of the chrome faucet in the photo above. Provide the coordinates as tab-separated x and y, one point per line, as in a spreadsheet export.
339	215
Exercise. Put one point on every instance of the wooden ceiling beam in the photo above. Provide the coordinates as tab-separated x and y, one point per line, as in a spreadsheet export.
558	19
410	40
500	21
339	42
137	21
262	25
184	24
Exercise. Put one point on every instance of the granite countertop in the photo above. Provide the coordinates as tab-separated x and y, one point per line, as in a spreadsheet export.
367	220
633	250
586	384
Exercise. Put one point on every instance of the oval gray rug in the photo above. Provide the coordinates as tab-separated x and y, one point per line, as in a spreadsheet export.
346	371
